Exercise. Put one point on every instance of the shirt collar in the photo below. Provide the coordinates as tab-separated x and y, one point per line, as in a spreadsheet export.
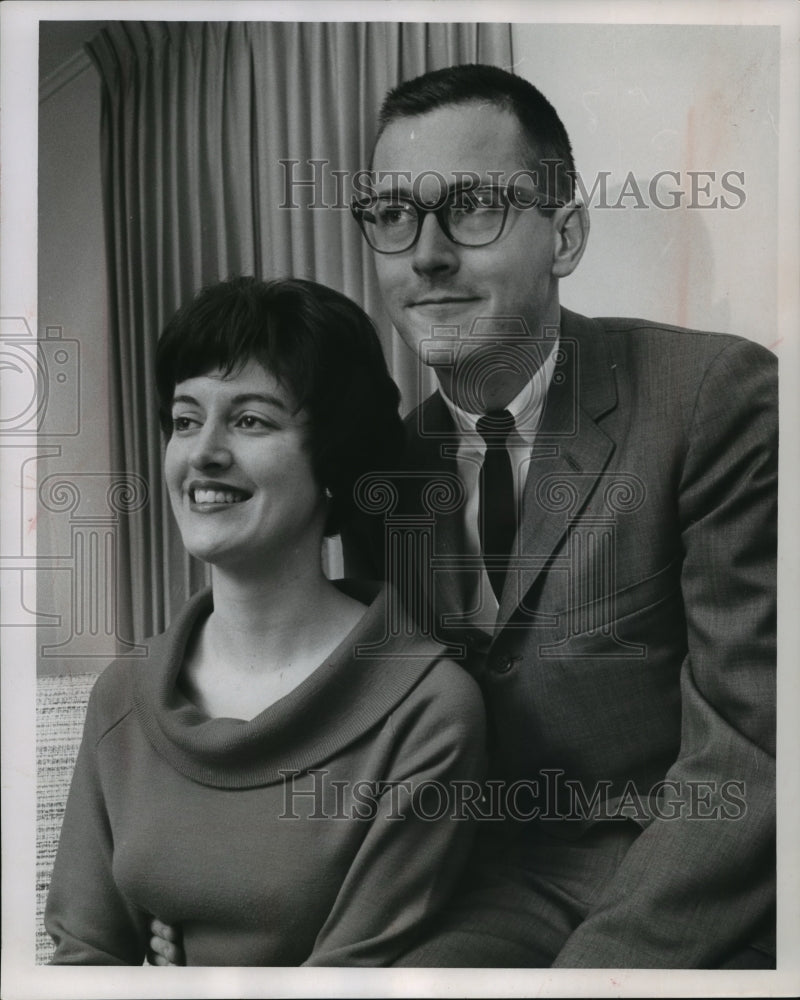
526	407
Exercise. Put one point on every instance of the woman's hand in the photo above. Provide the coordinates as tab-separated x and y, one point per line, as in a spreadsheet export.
166	947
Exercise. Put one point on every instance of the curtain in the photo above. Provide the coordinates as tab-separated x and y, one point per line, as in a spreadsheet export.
208	130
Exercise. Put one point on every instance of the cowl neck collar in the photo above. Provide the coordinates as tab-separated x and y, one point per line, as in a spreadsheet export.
347	695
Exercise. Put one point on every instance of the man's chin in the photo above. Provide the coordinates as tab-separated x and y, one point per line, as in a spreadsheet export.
439	344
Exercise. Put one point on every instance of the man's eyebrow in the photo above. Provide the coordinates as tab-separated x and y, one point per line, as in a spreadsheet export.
456	185
463	186
239	400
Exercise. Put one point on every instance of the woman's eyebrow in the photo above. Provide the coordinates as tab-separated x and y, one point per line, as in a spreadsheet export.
183	398
260	397
239	400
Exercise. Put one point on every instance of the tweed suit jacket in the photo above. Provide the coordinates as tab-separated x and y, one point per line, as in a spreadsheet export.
632	662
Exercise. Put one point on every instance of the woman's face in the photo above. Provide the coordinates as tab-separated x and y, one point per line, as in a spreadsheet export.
239	473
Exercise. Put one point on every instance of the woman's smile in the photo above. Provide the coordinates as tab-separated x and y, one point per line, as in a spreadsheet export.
204	496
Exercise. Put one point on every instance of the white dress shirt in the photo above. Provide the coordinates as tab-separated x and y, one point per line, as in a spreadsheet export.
526	408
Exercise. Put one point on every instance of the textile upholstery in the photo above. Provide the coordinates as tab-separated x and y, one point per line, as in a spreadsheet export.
60	711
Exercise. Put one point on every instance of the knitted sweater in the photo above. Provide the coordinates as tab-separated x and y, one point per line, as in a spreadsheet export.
319	833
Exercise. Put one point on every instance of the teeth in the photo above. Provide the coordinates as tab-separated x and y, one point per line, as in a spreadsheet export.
216	496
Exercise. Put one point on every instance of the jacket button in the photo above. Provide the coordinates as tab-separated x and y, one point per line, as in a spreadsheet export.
504	664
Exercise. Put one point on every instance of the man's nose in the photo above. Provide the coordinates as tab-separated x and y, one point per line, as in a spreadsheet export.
210	446
433	252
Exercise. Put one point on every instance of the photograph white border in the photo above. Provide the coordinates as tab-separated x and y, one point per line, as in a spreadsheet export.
18	297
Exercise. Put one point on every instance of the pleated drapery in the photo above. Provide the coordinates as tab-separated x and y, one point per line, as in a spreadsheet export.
208	131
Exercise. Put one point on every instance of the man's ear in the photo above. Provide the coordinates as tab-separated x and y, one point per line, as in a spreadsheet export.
570	233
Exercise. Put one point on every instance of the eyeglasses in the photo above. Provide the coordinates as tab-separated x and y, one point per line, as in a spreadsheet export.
469	217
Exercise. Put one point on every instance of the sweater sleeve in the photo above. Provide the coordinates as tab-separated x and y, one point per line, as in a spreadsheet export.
415	846
86	915
697	886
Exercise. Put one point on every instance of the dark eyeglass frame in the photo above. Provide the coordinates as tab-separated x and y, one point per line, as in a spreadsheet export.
358	206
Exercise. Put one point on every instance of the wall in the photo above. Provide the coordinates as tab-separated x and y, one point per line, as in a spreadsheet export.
72	302
641	99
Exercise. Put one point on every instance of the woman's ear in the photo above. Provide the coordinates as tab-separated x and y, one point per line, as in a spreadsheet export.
570	233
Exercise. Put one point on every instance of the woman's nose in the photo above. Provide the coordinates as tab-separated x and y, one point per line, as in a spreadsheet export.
210	446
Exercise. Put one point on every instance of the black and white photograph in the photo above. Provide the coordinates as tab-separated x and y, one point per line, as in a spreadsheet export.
398	441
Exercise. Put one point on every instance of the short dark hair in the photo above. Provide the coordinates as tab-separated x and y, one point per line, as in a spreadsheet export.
314	340
546	136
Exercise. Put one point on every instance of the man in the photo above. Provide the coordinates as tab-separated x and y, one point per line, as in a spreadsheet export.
607	567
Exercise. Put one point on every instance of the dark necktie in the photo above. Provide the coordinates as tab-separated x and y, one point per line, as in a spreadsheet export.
497	516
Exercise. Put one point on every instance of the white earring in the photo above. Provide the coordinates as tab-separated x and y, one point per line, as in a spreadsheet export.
328	494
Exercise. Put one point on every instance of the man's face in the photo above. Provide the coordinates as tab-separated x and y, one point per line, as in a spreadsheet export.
436	282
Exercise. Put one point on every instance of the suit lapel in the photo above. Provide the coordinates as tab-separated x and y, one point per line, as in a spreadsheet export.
431	436
570	449
570	453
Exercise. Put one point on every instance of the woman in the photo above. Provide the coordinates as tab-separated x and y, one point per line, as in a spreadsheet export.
259	781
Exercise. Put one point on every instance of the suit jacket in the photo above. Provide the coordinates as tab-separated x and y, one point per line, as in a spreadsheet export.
635	641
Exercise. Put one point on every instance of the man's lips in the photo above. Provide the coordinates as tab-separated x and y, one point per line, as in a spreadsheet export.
442	300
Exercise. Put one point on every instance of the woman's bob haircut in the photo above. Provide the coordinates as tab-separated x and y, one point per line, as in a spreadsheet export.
312	339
